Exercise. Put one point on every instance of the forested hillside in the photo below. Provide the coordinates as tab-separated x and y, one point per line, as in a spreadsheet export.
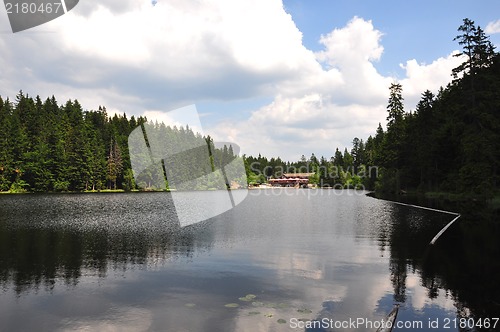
451	141
45	147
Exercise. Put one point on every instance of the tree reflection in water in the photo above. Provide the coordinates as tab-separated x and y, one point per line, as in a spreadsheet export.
464	261
35	253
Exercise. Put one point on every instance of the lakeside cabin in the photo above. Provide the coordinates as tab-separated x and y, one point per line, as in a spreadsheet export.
291	180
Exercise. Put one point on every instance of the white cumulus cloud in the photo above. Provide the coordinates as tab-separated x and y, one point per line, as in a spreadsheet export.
347	99
421	77
493	27
167	55
351	50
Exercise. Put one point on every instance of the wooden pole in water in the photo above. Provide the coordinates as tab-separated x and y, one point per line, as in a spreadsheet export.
435	238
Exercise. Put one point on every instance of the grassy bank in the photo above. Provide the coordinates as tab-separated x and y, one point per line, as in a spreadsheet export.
448	196
78	192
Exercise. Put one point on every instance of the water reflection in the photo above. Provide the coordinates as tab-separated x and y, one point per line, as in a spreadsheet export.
462	264
46	238
122	261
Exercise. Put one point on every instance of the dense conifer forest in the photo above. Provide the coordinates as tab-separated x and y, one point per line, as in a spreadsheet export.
45	147
449	143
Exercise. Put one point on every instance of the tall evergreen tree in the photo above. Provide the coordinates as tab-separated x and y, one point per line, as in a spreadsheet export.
477	49
395	127
395	107
467	40
6	151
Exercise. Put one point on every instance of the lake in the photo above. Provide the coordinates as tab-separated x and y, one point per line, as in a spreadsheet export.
279	261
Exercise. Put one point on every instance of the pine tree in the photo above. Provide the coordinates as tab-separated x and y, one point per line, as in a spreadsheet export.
484	51
476	46
393	139
421	139
395	107
466	40
114	164
347	160
6	152
356	153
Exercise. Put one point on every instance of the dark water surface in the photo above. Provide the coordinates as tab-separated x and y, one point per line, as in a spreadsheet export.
121	262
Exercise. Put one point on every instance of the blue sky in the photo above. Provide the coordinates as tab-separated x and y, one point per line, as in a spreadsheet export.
423	30
276	77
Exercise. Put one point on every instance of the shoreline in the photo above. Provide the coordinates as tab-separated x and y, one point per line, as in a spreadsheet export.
106	191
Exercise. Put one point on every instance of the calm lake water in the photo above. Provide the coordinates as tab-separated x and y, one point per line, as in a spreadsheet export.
121	262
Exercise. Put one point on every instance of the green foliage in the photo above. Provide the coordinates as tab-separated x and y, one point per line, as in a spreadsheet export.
395	107
340	171
61	185
114	166
19	186
129	181
355	182
314	179
59	148
46	147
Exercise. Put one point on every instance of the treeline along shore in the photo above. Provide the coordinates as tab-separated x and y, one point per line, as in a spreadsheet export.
449	143
45	147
